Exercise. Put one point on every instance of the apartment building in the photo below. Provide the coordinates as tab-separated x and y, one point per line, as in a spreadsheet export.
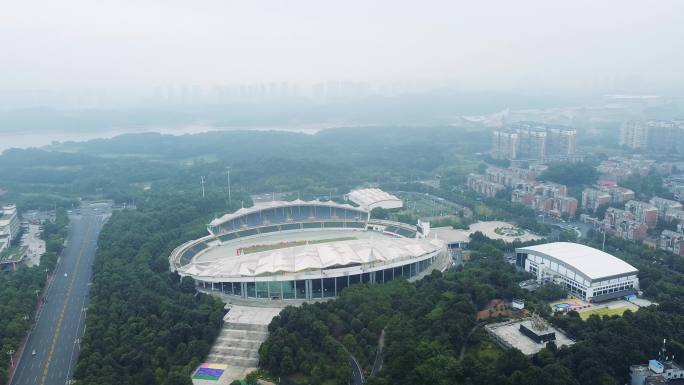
644	212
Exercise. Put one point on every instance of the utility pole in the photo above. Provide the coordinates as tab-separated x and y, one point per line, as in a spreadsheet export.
604	240
202	182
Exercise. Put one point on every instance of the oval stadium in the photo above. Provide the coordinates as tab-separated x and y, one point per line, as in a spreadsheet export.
303	251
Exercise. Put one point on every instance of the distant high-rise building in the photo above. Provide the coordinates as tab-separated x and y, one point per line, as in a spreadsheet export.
653	135
505	144
534	141
531	142
561	140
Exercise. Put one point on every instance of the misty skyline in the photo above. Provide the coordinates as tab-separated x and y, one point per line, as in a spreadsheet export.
141	48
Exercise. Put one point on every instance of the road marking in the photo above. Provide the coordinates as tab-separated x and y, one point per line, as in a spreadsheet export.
66	302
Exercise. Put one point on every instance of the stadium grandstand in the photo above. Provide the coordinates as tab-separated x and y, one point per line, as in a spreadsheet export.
587	273
303	250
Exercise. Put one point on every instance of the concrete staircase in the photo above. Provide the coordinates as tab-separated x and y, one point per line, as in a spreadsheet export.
238	345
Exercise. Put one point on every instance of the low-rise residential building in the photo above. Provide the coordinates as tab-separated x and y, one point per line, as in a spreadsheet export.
620	194
619	168
624	224
644	212
672	241
664	206
549	198
675	216
565	205
593	198
510	176
480	185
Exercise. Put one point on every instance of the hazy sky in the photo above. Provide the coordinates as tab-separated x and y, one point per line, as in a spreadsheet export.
72	44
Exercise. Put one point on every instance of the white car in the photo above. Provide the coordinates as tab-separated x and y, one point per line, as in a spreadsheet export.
66	275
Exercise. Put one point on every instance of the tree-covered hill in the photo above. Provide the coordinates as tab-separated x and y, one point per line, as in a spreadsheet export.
426	324
144	325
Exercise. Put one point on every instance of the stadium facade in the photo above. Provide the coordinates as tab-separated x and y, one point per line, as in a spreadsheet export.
303	250
585	272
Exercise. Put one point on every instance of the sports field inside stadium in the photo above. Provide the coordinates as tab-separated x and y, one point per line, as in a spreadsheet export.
282	245
274	241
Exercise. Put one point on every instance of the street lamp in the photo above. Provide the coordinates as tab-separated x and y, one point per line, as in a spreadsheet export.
10	353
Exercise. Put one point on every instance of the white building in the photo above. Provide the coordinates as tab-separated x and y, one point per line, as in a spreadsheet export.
585	272
9	225
370	198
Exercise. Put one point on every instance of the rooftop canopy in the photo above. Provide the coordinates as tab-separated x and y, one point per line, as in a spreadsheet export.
312	257
593	263
374	197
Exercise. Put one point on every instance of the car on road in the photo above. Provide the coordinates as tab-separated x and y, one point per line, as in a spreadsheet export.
66	275
33	353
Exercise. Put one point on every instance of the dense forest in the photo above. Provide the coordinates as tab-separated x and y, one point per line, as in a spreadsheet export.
330	162
144	325
21	289
426	324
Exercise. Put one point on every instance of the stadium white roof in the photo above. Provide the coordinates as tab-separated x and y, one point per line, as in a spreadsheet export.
259	206
593	263
374	197
312	257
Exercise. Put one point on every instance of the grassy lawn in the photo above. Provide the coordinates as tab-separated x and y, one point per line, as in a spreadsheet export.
603	311
282	245
485	351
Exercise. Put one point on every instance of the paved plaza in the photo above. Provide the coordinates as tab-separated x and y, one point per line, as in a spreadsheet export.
488	228
36	246
509	335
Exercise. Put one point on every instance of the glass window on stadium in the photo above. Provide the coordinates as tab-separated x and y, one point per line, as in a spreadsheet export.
301	289
274	290
354	279
397	272
342	282
414	269
237	288
389	275
422	265
366	277
316	288
262	289
379	277
289	290
251	290
227	288
328	287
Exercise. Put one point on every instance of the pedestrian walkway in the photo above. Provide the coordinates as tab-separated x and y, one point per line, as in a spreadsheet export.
236	349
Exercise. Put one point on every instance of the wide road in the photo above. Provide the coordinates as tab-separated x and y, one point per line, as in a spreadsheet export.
61	321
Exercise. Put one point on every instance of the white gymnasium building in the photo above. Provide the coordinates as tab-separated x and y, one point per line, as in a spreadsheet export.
370	198
585	272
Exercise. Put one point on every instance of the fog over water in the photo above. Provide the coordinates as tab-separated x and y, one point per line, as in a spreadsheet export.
76	69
